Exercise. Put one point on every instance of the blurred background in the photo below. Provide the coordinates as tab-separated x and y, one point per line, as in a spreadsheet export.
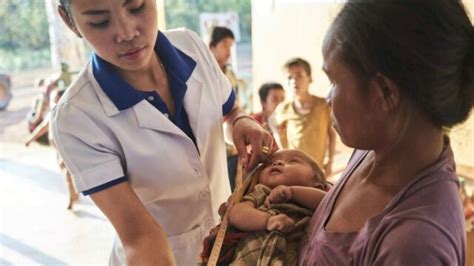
36	51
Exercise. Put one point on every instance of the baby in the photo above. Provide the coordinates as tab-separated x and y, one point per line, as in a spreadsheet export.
265	228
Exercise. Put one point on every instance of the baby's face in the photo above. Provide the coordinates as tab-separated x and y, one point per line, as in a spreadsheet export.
287	167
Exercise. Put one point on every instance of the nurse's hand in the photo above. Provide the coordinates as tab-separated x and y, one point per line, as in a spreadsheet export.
252	141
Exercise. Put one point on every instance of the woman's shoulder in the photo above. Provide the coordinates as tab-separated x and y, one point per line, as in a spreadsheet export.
184	39
82	95
432	199
80	85
181	32
189	42
435	195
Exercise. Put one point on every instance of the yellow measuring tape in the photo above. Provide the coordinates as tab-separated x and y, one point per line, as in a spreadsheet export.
249	181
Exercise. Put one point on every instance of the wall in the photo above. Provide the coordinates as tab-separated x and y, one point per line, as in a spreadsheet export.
282	29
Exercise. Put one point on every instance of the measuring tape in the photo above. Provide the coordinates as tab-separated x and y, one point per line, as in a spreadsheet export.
249	181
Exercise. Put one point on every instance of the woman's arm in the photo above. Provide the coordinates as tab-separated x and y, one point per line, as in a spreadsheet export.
143	239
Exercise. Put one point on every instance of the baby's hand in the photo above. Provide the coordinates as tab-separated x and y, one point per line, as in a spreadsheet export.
280	222
279	194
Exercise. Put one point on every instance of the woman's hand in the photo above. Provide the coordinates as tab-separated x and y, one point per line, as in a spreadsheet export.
248	132
280	222
279	194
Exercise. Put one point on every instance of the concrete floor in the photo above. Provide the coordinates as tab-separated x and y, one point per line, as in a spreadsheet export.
35	227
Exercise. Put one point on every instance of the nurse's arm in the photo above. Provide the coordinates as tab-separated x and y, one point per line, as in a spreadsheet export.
247	131
143	239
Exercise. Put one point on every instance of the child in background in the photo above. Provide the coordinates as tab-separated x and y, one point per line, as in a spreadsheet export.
271	94
265	228
42	131
304	122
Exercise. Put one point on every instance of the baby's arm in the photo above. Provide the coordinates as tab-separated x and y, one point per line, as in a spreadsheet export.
245	217
309	197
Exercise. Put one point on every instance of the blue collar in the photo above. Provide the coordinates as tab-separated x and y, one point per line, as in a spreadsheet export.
178	65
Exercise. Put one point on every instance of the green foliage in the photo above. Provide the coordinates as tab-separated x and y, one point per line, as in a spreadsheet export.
22	59
24	38
23	25
185	13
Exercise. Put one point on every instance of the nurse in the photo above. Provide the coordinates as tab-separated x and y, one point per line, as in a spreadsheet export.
141	130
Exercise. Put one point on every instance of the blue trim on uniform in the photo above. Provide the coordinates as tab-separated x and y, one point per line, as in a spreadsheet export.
104	186
122	94
227	107
179	67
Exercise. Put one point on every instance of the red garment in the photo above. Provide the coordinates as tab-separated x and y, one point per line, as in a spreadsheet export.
260	119
229	244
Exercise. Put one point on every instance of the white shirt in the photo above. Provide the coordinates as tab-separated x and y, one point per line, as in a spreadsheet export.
180	186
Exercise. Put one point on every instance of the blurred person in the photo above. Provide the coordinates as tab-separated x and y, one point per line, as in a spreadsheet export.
402	72
5	90
141	130
222	40
41	107
42	103
304	122
271	94
41	131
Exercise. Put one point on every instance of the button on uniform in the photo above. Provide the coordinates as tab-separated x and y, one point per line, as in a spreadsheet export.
208	224
150	98
204	195
198	172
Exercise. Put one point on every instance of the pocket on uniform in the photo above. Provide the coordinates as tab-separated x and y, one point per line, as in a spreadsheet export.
186	246
184	239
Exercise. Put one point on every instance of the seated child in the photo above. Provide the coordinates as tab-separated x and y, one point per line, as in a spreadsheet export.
265	228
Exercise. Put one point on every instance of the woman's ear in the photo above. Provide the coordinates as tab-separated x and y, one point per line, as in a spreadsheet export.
68	20
387	92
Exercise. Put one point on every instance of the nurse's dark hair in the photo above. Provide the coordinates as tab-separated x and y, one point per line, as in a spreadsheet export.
64	4
425	46
219	34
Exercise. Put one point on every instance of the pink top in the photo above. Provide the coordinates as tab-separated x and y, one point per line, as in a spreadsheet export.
422	225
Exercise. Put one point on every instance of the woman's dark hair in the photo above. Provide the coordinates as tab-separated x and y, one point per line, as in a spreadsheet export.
266	88
219	34
64	4
425	46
